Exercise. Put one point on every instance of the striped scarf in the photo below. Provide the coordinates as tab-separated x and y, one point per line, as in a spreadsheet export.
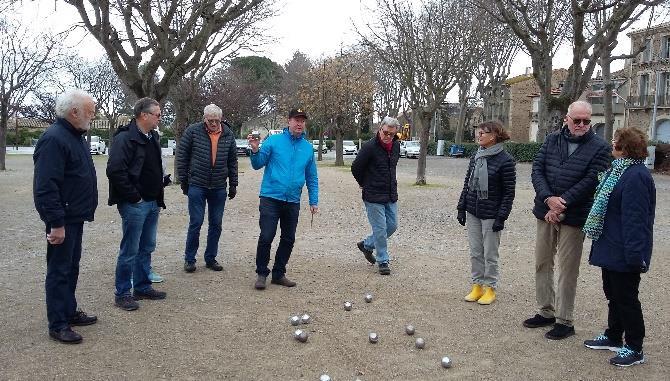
593	227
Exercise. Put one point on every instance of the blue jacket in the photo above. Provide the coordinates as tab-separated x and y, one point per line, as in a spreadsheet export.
65	188
628	230
289	164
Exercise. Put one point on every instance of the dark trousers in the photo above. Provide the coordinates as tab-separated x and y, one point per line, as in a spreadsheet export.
62	276
625	311
271	212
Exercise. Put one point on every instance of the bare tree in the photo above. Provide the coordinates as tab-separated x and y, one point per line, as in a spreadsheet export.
389	90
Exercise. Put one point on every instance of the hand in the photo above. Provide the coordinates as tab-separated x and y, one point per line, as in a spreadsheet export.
557	204
498	225
184	187
643	267
552	217
167	180
461	217
314	209
253	143
232	192
56	236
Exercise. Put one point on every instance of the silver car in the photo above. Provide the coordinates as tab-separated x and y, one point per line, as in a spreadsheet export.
412	149
349	148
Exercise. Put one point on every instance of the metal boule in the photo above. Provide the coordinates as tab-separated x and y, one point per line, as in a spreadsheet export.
347	306
420	343
446	362
409	329
305	319
373	337
295	320
300	335
561	216
324	377
368	298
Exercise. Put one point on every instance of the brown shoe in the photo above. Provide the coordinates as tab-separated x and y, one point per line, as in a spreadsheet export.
283	281
260	283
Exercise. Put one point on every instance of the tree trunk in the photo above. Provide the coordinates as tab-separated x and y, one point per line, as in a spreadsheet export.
180	124
339	154
607	100
421	119
4	113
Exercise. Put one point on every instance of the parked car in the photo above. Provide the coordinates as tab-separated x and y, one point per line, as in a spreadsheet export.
315	145
412	149
403	148
98	145
172	144
349	148
242	147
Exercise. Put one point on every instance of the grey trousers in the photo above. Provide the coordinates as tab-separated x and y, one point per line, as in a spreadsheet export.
484	243
560	244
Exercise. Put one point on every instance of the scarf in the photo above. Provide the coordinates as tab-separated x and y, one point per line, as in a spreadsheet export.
386	146
479	176
593	227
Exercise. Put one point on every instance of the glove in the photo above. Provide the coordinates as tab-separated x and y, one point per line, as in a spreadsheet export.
498	225
184	187
461	217
232	192
167	180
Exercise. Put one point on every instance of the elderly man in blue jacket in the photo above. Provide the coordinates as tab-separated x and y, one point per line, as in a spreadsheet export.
289	163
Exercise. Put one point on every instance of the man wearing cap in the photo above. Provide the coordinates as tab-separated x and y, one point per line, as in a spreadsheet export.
289	163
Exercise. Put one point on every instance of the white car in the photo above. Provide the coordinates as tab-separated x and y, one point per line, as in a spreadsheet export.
403	148
412	148
98	145
349	148
315	146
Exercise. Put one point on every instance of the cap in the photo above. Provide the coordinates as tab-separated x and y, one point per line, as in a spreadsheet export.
297	112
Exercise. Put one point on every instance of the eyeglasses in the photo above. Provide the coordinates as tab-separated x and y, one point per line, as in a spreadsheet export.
584	122
213	121
387	133
156	115
482	132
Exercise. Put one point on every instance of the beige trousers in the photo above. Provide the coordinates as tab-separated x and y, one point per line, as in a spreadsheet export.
560	244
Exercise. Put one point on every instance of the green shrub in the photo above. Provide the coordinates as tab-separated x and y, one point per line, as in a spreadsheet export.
432	148
521	152
329	144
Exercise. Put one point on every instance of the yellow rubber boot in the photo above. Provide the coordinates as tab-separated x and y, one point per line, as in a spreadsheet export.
488	297
475	294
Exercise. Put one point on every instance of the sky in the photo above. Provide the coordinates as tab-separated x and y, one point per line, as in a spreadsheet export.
315	27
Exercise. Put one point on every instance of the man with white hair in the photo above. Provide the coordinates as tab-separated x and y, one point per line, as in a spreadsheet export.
66	194
206	160
374	170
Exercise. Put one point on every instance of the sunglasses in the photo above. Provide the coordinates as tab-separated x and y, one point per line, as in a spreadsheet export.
584	122
387	133
213	121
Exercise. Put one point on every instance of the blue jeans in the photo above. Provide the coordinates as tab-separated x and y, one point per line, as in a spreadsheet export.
216	201
273	211
383	219
62	274
139	223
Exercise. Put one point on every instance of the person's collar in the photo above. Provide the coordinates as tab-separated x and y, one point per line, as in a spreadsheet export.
71	127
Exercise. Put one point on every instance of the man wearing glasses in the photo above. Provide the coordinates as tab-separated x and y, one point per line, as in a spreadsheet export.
206	160
565	176
375	171
135	175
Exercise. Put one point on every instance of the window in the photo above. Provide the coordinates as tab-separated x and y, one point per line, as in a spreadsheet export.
646	53
644	83
665	47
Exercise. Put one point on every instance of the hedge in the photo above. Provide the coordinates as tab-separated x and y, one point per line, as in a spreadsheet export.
522	152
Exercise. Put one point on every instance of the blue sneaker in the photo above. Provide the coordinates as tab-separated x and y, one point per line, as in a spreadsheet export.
155	278
603	342
627	357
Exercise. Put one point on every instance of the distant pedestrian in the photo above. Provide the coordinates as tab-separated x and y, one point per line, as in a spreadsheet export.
486	200
375	172
289	164
66	194
206	161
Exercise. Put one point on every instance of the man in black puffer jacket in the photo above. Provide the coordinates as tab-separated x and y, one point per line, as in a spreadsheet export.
565	176
374	170
206	158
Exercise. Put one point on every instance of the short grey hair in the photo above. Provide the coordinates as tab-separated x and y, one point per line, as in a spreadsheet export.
583	104
144	105
391	122
212	109
73	98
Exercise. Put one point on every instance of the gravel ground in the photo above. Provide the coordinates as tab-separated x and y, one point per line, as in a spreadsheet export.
216	326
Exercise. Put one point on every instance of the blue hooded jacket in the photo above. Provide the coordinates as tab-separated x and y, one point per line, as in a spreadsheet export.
289	164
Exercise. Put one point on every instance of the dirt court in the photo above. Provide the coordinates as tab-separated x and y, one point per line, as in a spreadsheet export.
216	326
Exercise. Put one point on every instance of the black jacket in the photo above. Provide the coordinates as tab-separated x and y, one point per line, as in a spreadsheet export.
374	170
502	183
574	177
194	158
126	158
65	187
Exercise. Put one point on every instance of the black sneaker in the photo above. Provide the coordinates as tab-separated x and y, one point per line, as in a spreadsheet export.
214	265
189	267
66	335
150	294
366	252
126	303
384	269
560	332
80	318
603	342
538	321
627	357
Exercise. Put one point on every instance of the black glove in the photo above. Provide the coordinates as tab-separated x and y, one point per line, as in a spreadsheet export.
232	192
498	225
167	180
461	217
184	187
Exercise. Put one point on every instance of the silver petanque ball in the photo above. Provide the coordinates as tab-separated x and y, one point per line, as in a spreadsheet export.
373	337
300	335
420	343
347	306
295	320
561	216
409	329
446	362
305	319
324	377
368	298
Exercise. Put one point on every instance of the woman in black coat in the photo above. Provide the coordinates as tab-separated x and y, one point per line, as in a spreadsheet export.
621	223
484	205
